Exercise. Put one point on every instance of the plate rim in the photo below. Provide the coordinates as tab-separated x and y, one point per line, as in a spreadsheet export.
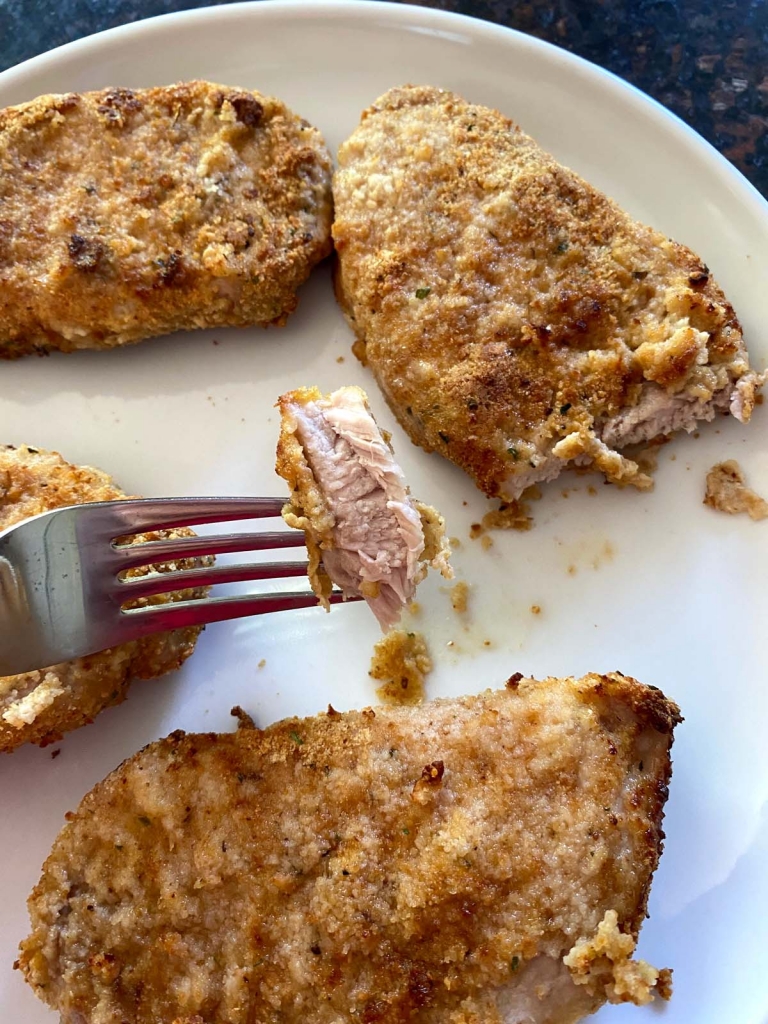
413	15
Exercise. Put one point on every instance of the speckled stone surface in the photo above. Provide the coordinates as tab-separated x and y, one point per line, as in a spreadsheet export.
707	60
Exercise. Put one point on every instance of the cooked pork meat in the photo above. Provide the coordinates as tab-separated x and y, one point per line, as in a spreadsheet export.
126	214
364	531
480	859
39	707
516	319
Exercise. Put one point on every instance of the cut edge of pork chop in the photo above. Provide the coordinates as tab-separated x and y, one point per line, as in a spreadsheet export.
553	975
365	532
657	415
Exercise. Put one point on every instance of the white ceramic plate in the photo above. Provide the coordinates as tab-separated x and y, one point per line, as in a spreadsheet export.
660	587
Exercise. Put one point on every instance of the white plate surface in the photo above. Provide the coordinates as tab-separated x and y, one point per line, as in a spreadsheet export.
660	587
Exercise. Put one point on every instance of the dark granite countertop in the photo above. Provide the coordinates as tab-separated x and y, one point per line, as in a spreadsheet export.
707	60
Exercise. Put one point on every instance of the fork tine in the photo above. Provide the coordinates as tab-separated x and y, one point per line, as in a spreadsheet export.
139	515
165	582
130	556
159	618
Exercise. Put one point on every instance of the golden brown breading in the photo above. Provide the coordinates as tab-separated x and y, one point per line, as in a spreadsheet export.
126	214
427	864
516	318
39	707
308	508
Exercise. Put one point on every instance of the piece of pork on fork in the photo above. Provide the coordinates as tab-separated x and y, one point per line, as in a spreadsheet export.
365	532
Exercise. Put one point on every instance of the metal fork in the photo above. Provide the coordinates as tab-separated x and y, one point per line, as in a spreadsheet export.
62	588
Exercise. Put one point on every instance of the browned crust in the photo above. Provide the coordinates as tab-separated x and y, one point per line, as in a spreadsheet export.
547	323
33	480
647	704
307	509
651	709
291	464
132	213
394	856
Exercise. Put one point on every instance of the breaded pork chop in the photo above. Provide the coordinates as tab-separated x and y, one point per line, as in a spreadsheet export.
39	707
432	865
130	213
516	319
365	532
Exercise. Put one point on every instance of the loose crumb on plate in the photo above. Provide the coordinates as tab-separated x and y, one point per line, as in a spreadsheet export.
726	491
401	661
486	542
262	663
460	596
509	515
535	609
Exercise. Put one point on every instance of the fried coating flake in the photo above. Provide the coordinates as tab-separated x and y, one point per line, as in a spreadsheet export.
40	706
516	319
126	214
401	662
425	864
727	491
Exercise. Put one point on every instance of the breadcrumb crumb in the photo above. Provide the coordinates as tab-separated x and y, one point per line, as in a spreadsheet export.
460	596
401	661
727	492
511	515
